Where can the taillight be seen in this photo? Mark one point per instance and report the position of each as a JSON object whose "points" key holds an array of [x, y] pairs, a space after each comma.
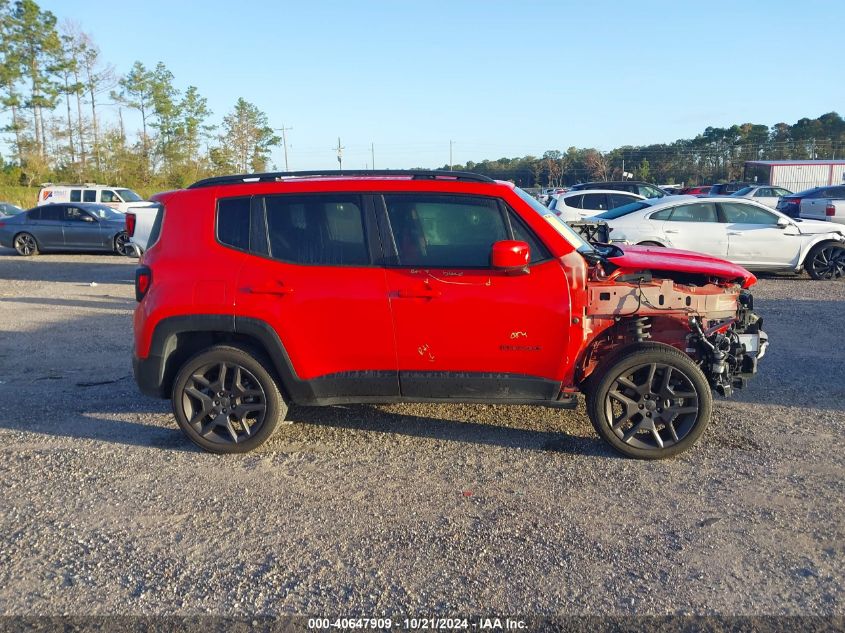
{"points": [[143, 281], [829, 210], [131, 221], [2, 224]]}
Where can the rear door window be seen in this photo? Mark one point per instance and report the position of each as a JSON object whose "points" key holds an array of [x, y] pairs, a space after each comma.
{"points": [[699, 212], [89, 195], [76, 195], [317, 229], [595, 201], [52, 213]]}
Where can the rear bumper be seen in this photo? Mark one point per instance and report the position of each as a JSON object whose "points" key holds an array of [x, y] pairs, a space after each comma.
{"points": [[148, 375]]}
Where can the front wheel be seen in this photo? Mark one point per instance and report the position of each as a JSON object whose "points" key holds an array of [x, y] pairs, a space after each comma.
{"points": [[226, 401], [26, 245], [826, 261], [651, 402]]}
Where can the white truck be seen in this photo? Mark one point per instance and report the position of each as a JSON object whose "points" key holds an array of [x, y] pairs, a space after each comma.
{"points": [[139, 224], [829, 209]]}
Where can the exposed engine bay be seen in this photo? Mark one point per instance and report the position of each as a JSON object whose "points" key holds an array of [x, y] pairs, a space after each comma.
{"points": [[709, 318]]}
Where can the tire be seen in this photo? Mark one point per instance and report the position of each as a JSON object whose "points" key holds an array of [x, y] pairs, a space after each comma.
{"points": [[26, 244], [650, 244], [639, 416], [826, 261], [121, 244], [207, 410]]}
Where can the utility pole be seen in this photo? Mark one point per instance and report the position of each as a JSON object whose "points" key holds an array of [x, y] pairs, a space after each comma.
{"points": [[373, 154], [339, 149], [450, 154], [284, 129]]}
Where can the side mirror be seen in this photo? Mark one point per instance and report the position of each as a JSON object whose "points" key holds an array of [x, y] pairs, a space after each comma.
{"points": [[783, 223], [510, 256], [86, 218]]}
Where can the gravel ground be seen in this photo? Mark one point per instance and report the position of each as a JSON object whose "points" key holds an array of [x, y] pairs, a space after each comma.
{"points": [[418, 509]]}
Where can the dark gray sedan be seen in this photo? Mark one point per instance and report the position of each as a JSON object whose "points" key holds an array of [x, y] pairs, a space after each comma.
{"points": [[65, 227]]}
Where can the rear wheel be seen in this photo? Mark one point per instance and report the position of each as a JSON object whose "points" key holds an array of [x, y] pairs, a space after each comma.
{"points": [[226, 401], [651, 402], [26, 245], [826, 261], [121, 244]]}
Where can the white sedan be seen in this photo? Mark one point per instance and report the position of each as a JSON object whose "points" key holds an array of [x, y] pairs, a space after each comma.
{"points": [[577, 205], [770, 196], [741, 231]]}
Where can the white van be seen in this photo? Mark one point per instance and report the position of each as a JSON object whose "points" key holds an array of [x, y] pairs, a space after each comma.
{"points": [[118, 198]]}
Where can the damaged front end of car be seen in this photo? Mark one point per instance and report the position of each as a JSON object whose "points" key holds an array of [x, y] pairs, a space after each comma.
{"points": [[699, 305]]}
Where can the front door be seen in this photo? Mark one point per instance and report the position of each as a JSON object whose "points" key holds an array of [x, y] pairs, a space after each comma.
{"points": [[464, 330], [755, 239], [81, 229], [311, 273]]}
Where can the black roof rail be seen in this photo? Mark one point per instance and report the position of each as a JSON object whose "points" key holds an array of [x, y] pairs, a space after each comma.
{"points": [[415, 174]]}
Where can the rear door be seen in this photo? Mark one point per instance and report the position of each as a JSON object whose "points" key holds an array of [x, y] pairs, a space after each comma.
{"points": [[464, 330], [46, 226], [754, 238], [696, 227], [312, 272]]}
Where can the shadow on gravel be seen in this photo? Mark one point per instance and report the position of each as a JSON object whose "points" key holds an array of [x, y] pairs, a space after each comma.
{"points": [[372, 419], [56, 267], [102, 302], [79, 426]]}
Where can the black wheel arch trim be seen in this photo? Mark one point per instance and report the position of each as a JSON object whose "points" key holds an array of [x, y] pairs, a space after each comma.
{"points": [[155, 373]]}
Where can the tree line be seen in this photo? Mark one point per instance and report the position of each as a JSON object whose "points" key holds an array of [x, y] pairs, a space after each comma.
{"points": [[54, 85], [717, 154]]}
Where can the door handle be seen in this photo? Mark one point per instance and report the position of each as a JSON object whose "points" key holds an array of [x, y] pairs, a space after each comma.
{"points": [[279, 290], [418, 293], [734, 233], [670, 231]]}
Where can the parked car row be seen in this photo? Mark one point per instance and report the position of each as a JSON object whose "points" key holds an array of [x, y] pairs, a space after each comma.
{"points": [[737, 229]]}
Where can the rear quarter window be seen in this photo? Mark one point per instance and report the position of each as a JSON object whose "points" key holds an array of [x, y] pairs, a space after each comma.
{"points": [[232, 222]]}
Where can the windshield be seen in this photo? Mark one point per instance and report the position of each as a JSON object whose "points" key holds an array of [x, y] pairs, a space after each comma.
{"points": [[10, 209], [625, 209], [742, 192], [103, 212], [128, 195], [569, 234]]}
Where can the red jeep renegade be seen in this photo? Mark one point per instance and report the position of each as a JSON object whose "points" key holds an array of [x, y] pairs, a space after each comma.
{"points": [[325, 288]]}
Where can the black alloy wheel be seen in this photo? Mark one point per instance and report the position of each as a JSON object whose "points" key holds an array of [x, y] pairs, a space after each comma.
{"points": [[226, 401], [826, 262], [651, 402], [26, 245]]}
